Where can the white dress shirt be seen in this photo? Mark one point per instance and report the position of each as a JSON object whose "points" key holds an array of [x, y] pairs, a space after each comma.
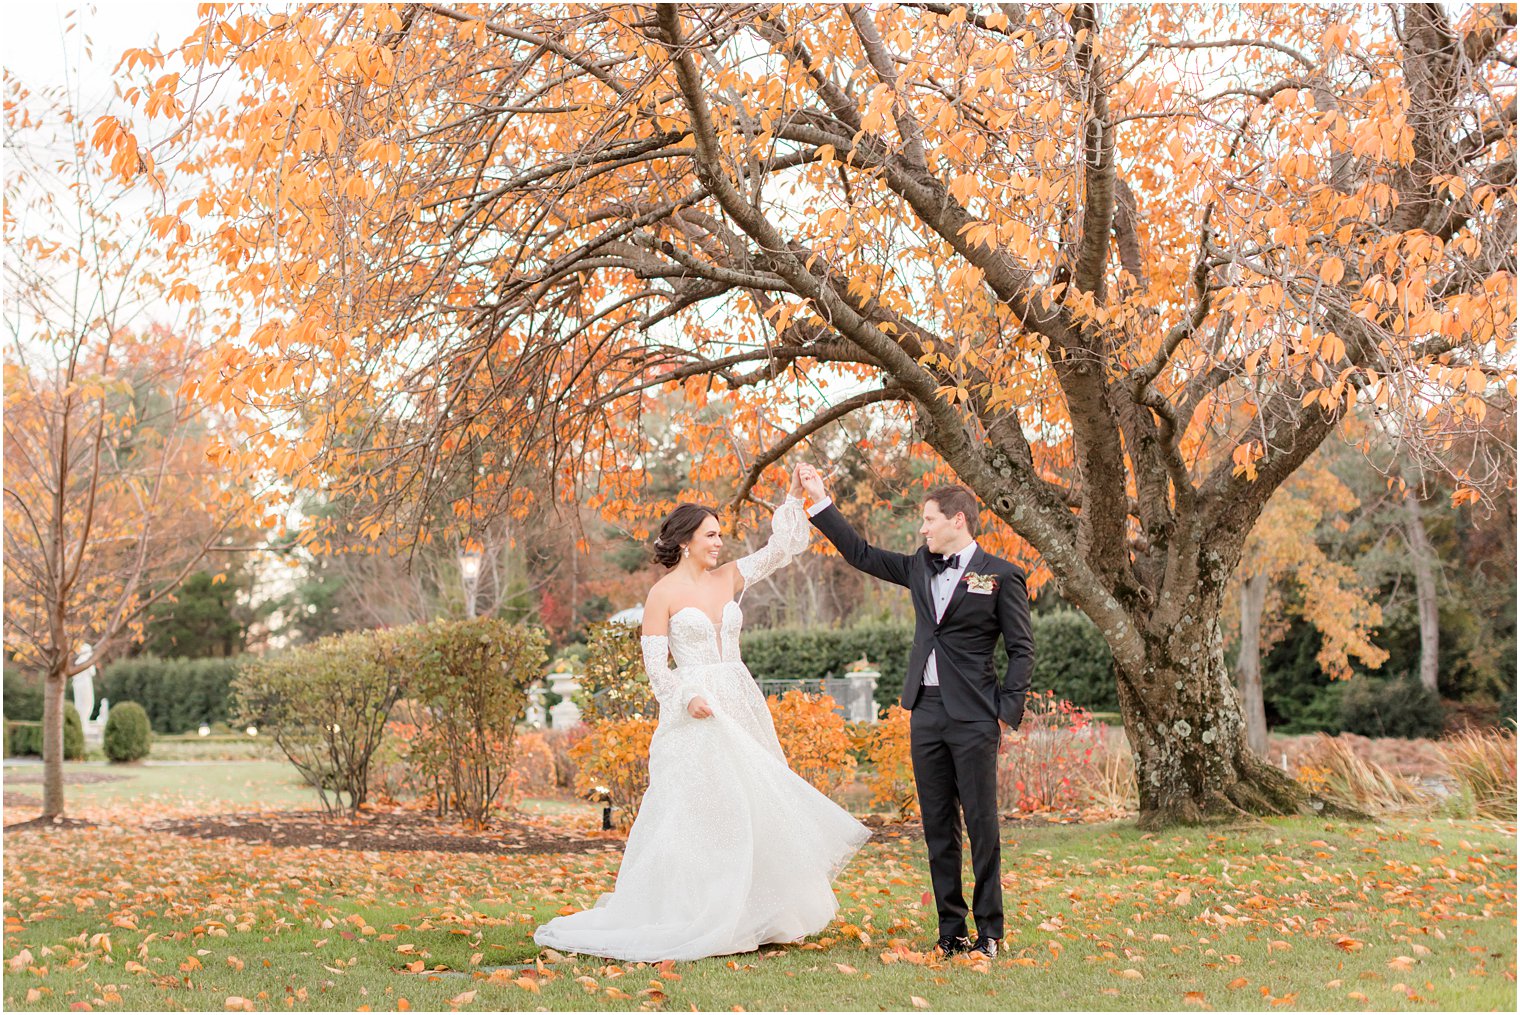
{"points": [[941, 588]]}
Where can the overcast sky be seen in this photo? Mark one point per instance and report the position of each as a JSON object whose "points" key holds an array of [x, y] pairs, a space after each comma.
{"points": [[39, 51]]}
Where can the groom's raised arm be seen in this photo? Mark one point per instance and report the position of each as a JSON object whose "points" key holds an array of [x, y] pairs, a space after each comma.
{"points": [[858, 553]]}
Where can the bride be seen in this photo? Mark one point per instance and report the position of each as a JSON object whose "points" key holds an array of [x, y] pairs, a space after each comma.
{"points": [[731, 848]]}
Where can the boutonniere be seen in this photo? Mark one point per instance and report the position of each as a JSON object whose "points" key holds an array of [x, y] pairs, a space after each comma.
{"points": [[983, 583]]}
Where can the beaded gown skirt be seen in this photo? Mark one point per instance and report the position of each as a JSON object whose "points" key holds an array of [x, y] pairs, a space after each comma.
{"points": [[731, 849]]}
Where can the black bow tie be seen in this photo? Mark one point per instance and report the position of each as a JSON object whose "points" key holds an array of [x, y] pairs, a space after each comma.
{"points": [[942, 564]]}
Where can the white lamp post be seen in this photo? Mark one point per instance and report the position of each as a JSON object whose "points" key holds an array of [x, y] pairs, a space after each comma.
{"points": [[469, 571]]}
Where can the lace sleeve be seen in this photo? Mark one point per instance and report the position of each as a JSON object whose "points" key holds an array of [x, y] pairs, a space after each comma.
{"points": [[669, 690], [789, 537]]}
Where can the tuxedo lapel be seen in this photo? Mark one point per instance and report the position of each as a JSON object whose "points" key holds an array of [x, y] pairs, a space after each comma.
{"points": [[923, 589], [960, 587]]}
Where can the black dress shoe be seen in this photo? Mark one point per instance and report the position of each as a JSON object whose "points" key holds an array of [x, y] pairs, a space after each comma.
{"points": [[948, 946], [987, 946]]}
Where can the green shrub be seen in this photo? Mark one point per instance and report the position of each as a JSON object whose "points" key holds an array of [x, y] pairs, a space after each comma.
{"points": [[1300, 697], [325, 705], [1399, 707], [471, 680], [128, 734], [73, 734], [1072, 660], [177, 694], [614, 685]]}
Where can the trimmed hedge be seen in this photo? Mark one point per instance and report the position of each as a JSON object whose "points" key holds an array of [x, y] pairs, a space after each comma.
{"points": [[177, 694], [812, 652], [128, 734], [1072, 659], [23, 738], [23, 695], [1070, 656]]}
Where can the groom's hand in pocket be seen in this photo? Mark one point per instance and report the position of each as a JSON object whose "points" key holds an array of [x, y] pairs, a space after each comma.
{"points": [[698, 708]]}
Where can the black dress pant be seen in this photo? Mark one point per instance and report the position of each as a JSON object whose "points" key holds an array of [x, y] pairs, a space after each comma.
{"points": [[955, 769]]}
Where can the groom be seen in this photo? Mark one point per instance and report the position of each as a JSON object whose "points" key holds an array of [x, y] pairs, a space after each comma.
{"points": [[964, 598]]}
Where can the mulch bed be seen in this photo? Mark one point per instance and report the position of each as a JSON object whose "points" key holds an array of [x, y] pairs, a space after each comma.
{"points": [[384, 831], [410, 831], [48, 823]]}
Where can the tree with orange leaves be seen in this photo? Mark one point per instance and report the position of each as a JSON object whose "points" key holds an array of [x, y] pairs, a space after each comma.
{"points": [[109, 501], [1283, 547], [1125, 269]]}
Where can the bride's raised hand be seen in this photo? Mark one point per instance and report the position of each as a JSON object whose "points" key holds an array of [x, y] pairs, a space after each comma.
{"points": [[811, 483], [797, 489], [698, 708]]}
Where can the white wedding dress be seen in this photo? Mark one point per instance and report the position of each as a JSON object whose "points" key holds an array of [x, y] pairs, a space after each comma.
{"points": [[731, 848]]}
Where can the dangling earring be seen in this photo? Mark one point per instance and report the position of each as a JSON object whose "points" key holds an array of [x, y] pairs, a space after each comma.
{"points": [[685, 551]]}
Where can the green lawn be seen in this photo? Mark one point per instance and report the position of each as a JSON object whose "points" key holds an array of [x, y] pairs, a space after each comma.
{"points": [[205, 786], [1294, 914]]}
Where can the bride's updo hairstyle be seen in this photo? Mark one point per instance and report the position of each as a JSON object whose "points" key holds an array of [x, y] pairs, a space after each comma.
{"points": [[677, 530]]}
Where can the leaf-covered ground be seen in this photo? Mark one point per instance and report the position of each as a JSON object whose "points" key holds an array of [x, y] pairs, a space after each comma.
{"points": [[1300, 915]]}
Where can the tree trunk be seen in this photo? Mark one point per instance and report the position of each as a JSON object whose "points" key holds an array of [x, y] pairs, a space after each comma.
{"points": [[1253, 597], [52, 742], [1183, 719], [1427, 599]]}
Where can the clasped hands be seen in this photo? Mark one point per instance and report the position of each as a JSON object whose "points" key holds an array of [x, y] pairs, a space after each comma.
{"points": [[806, 480]]}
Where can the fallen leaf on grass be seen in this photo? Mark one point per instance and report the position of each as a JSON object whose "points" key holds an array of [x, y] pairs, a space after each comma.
{"points": [[919, 1002], [1237, 983], [1195, 997]]}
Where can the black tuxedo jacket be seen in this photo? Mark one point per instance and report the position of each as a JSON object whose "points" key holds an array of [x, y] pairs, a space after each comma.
{"points": [[964, 639]]}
